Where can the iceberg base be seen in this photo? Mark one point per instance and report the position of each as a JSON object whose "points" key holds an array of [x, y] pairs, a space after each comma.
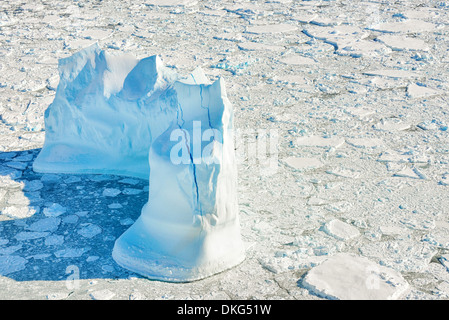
{"points": [[190, 256]]}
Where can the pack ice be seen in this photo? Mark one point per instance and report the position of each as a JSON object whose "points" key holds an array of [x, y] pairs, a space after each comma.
{"points": [[120, 115]]}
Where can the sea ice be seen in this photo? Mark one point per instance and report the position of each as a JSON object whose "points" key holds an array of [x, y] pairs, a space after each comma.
{"points": [[340, 230], [89, 231], [11, 263], [46, 224], [419, 91], [405, 26], [30, 235], [71, 252], [111, 192], [271, 28], [54, 210], [104, 294], [365, 142], [403, 43], [302, 163], [349, 277], [318, 141], [297, 60]]}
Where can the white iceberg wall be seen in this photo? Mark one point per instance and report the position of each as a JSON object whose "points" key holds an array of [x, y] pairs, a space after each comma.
{"points": [[189, 229], [106, 111]]}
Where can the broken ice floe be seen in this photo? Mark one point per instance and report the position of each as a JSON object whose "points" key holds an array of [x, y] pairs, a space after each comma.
{"points": [[419, 91], [368, 280], [271, 28], [301, 163], [340, 230], [405, 26]]}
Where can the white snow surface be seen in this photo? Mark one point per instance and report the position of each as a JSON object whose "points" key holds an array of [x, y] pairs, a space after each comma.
{"points": [[357, 92]]}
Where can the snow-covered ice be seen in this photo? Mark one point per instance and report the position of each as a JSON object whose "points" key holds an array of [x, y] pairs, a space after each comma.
{"points": [[349, 277]]}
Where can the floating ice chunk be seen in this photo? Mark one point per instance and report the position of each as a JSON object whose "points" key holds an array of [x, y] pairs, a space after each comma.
{"points": [[391, 73], [132, 191], [297, 60], [57, 295], [305, 17], [129, 181], [50, 178], [344, 172], [347, 40], [10, 250], [317, 141], [230, 36], [324, 21], [46, 224], [317, 201], [392, 157], [405, 26], [90, 231], [12, 173], [292, 78], [403, 43], [17, 165], [115, 206], [198, 234], [72, 179], [25, 235], [70, 219], [96, 34], [403, 254], [79, 43], [111, 192], [303, 163], [54, 240], [33, 185], [392, 124], [171, 3], [271, 28], [126, 222], [418, 91], [71, 252], [11, 263], [365, 142], [254, 46], [54, 210], [349, 277], [392, 230], [105, 294], [340, 230]]}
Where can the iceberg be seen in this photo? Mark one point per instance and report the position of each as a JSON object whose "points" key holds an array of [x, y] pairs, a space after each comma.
{"points": [[138, 118], [105, 113], [189, 228]]}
